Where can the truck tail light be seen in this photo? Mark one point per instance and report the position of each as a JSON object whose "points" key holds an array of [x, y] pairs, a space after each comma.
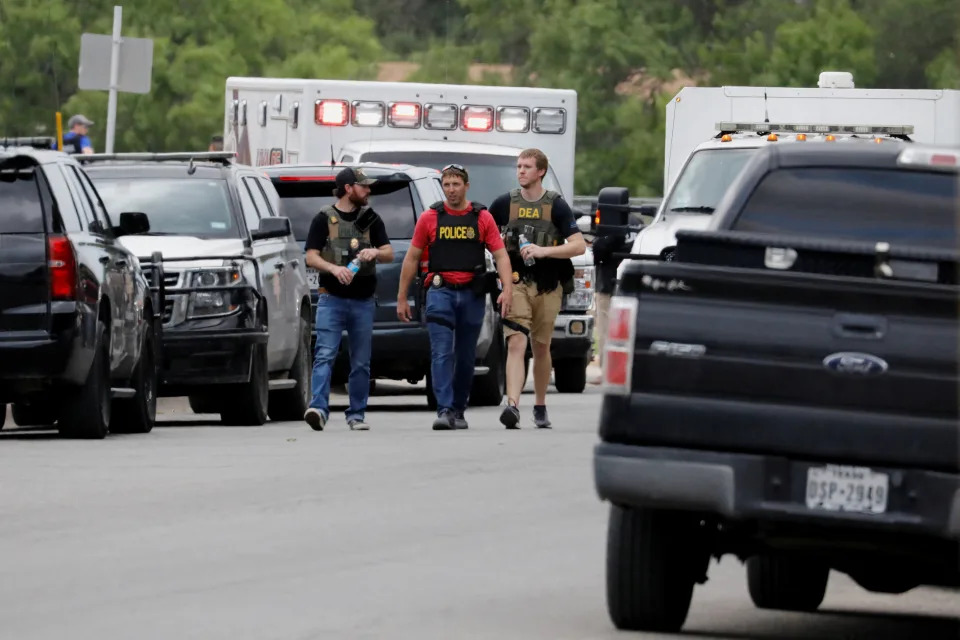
{"points": [[476, 118], [618, 347], [62, 264], [405, 115], [331, 113]]}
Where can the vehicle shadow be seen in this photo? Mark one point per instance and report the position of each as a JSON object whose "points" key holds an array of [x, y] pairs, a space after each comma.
{"points": [[847, 624]]}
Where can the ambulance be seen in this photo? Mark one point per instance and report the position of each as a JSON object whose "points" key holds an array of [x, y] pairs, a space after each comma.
{"points": [[711, 132], [315, 121]]}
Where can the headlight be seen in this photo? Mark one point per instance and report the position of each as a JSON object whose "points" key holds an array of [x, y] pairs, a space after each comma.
{"points": [[582, 296], [218, 302]]}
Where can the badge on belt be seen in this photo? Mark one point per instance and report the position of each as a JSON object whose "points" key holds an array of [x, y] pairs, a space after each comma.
{"points": [[354, 243], [437, 280], [516, 277]]}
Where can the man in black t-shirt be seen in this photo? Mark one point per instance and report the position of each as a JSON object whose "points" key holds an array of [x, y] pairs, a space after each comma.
{"points": [[345, 242]]}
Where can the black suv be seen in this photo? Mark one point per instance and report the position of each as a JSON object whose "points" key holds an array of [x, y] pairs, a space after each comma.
{"points": [[237, 320], [78, 318]]}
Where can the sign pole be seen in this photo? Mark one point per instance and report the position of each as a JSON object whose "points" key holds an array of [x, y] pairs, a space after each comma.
{"points": [[114, 78]]}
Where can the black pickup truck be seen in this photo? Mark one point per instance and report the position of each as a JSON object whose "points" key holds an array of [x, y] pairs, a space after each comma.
{"points": [[785, 390], [79, 330]]}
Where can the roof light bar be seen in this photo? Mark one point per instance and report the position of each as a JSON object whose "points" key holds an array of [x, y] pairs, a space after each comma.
{"points": [[35, 142], [440, 116], [331, 113], [404, 115], [859, 129], [368, 114], [549, 120]]}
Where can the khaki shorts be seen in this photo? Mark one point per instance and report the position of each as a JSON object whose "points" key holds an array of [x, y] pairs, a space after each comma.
{"points": [[533, 311]]}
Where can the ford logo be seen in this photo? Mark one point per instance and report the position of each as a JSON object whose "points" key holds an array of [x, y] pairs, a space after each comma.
{"points": [[855, 364]]}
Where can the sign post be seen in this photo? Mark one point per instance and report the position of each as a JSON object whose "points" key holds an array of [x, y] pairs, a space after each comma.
{"points": [[114, 63]]}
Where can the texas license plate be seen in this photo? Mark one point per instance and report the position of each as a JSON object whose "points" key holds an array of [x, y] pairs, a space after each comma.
{"points": [[846, 488], [313, 277]]}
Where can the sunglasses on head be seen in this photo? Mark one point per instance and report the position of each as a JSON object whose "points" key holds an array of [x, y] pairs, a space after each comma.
{"points": [[455, 167]]}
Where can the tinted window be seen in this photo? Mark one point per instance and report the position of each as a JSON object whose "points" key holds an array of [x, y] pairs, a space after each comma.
{"points": [[490, 176], [705, 179], [83, 202], [194, 207], [900, 207], [301, 201], [99, 210], [20, 210]]}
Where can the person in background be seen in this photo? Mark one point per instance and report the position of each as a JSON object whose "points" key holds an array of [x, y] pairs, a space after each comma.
{"points": [[216, 144], [75, 139]]}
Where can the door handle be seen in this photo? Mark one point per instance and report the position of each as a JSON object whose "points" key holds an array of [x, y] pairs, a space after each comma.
{"points": [[852, 325], [294, 262], [121, 262], [104, 259], [279, 266]]}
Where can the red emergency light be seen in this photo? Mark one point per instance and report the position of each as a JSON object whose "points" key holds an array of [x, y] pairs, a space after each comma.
{"points": [[473, 118], [405, 115], [331, 113]]}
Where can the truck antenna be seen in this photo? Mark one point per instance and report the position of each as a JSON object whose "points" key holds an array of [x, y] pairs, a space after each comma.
{"points": [[766, 110], [333, 158]]}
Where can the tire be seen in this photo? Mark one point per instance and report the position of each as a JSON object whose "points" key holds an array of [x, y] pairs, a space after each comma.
{"points": [[139, 413], [86, 412], [570, 376], [786, 583], [290, 404], [205, 403], [28, 415], [245, 404], [3, 414], [650, 569], [488, 389]]}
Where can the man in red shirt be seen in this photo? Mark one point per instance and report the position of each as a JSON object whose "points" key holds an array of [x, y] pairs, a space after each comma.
{"points": [[451, 237]]}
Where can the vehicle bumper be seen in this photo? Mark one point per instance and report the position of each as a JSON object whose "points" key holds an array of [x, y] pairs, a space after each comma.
{"points": [[745, 487], [32, 360], [210, 356], [572, 336]]}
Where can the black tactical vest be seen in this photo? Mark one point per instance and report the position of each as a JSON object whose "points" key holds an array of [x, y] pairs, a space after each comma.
{"points": [[346, 239], [459, 246]]}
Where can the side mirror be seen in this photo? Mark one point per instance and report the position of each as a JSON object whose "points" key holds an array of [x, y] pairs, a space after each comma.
{"points": [[648, 210], [613, 205], [132, 223], [276, 227]]}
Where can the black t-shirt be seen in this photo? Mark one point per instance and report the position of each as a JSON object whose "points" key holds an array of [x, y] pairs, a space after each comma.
{"points": [[361, 286], [547, 272]]}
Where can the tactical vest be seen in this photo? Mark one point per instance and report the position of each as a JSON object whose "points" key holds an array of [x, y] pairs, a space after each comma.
{"points": [[72, 146], [346, 239], [534, 222], [458, 246]]}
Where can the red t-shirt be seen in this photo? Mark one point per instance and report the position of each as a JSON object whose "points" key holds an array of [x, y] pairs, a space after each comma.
{"points": [[425, 234]]}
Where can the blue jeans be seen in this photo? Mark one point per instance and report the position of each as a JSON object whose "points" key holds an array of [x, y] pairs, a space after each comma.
{"points": [[454, 320], [334, 316]]}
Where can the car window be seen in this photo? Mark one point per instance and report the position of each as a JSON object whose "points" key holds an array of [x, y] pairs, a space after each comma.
{"points": [[273, 199], [197, 207], [79, 195], [896, 206], [69, 214], [392, 200], [490, 176], [259, 201], [20, 201], [99, 210], [705, 179]]}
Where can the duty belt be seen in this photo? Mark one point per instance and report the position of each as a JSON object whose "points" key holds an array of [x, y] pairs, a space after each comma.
{"points": [[438, 282]]}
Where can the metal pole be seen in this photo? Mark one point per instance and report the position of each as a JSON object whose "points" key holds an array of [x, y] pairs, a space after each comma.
{"points": [[114, 77]]}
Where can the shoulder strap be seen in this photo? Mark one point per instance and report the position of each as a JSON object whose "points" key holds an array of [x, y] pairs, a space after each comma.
{"points": [[365, 219], [436, 206], [476, 208], [549, 196], [515, 195]]}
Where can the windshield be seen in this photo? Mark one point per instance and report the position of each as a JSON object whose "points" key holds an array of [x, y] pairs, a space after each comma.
{"points": [[192, 207], [490, 176], [896, 206], [705, 179], [302, 201]]}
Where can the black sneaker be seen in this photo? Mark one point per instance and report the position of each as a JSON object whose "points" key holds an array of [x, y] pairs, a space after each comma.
{"points": [[540, 417], [444, 421], [510, 417], [459, 422], [315, 419]]}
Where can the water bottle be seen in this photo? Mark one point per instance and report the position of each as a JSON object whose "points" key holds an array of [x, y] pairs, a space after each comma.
{"points": [[523, 243], [354, 266]]}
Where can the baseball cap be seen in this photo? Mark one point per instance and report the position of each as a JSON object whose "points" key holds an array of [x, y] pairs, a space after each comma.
{"points": [[79, 119], [349, 175]]}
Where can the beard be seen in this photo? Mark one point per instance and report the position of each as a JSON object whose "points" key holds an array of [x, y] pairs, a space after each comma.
{"points": [[357, 200]]}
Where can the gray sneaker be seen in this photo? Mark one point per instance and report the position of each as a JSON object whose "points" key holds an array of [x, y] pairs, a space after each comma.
{"points": [[540, 417], [510, 417], [358, 425], [445, 421], [459, 422], [315, 419]]}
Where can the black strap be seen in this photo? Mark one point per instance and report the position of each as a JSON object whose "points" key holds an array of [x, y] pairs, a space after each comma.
{"points": [[510, 324], [365, 219], [475, 207], [443, 322]]}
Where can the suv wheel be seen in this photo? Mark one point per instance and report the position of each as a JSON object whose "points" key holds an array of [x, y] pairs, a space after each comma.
{"points": [[291, 404], [570, 376], [246, 403], [139, 413], [786, 583], [652, 562], [86, 412]]}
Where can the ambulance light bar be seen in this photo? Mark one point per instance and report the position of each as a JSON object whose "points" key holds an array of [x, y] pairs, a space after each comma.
{"points": [[861, 129], [476, 118], [440, 116], [367, 114], [948, 159], [330, 112]]}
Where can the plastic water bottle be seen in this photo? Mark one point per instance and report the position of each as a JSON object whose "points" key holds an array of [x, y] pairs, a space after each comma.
{"points": [[523, 243], [354, 265]]}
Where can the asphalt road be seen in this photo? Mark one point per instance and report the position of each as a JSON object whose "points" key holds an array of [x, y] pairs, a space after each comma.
{"points": [[203, 531]]}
